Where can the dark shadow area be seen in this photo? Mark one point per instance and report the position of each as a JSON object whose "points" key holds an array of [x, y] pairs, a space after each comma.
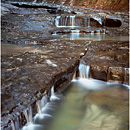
{"points": [[32, 6], [112, 22]]}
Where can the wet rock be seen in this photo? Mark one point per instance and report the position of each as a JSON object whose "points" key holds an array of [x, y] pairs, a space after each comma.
{"points": [[106, 62], [116, 74], [94, 23], [99, 72], [126, 76], [31, 77]]}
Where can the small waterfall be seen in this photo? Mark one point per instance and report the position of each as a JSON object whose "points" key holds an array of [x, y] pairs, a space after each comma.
{"points": [[88, 21], [84, 71], [15, 124], [52, 91], [99, 19], [41, 103], [53, 95], [12, 125], [28, 114], [65, 21], [57, 21], [72, 21]]}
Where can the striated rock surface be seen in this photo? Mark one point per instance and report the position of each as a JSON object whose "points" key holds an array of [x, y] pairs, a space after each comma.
{"points": [[118, 5]]}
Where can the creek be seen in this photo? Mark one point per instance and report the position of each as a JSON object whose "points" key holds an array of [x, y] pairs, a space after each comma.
{"points": [[85, 104]]}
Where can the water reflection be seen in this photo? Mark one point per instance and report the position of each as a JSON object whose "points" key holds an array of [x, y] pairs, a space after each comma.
{"points": [[91, 36]]}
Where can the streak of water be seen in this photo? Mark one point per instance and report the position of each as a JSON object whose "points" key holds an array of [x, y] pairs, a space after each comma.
{"points": [[84, 71], [65, 21], [53, 95], [28, 114]]}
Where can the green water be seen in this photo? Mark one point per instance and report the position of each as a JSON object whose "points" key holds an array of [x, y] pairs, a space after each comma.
{"points": [[83, 109], [91, 36]]}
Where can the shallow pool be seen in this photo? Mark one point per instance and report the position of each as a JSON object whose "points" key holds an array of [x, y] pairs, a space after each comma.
{"points": [[86, 108], [90, 36]]}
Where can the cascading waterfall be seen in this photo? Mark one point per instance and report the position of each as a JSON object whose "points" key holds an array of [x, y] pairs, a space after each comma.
{"points": [[28, 114], [43, 106], [12, 125], [41, 103], [53, 95], [57, 21], [72, 21], [84, 71], [93, 84], [65, 21], [15, 124]]}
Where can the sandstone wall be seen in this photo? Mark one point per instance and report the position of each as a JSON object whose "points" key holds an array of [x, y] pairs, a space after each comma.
{"points": [[113, 5], [116, 5]]}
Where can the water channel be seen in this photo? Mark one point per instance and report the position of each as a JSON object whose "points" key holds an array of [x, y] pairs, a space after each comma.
{"points": [[85, 104]]}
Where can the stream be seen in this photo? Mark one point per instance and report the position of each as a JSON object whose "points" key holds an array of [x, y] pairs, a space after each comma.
{"points": [[42, 45], [85, 104]]}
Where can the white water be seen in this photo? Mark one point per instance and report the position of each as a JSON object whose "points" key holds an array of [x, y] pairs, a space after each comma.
{"points": [[72, 21], [44, 108], [28, 114], [15, 124], [84, 71], [53, 95], [57, 21], [12, 125], [65, 21], [41, 103], [92, 84]]}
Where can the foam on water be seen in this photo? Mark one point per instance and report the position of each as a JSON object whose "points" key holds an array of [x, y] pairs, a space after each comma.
{"points": [[53, 95], [44, 109], [84, 71], [28, 114]]}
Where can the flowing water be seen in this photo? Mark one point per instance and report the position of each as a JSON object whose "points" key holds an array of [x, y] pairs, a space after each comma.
{"points": [[86, 104], [65, 21]]}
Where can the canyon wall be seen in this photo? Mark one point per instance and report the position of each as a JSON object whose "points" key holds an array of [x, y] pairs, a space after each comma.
{"points": [[111, 5], [115, 5]]}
